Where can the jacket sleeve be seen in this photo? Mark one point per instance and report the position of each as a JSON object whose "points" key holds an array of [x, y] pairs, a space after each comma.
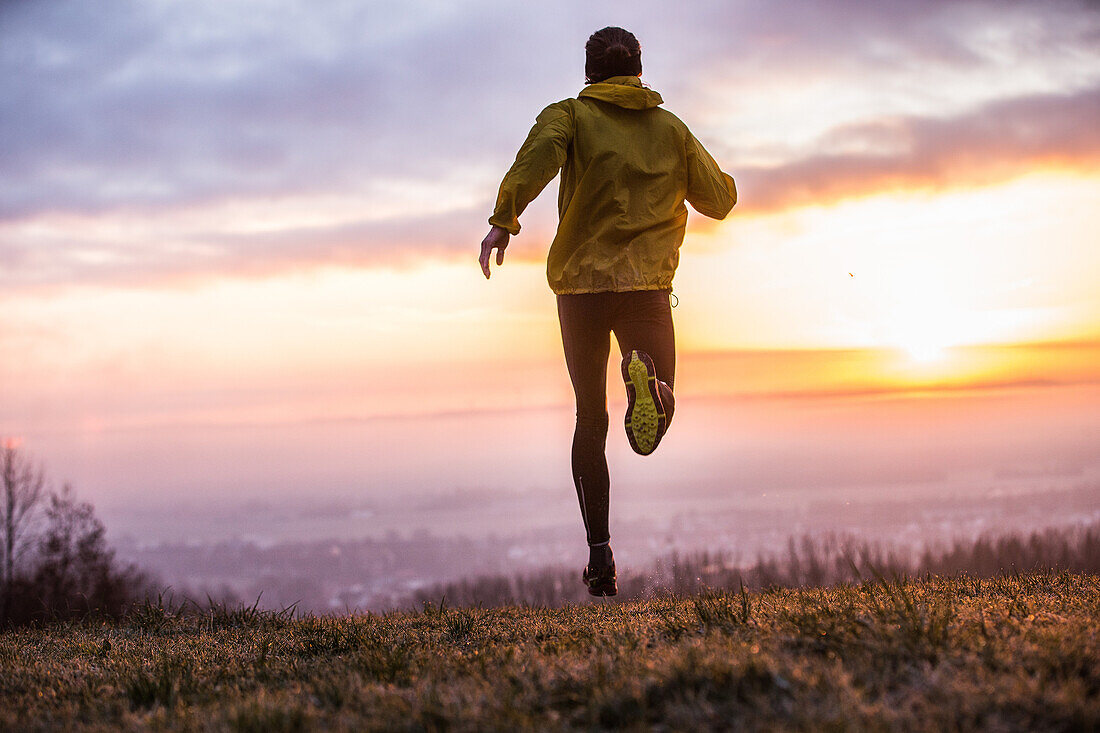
{"points": [[709, 191], [538, 161]]}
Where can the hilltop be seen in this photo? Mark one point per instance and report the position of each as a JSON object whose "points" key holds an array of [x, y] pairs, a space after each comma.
{"points": [[1009, 653]]}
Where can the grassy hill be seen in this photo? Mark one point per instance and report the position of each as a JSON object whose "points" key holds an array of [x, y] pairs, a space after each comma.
{"points": [[1011, 653]]}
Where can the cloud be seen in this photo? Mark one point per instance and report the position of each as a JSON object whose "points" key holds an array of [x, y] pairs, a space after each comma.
{"points": [[49, 260], [127, 116], [176, 103], [1001, 140], [997, 142], [170, 104]]}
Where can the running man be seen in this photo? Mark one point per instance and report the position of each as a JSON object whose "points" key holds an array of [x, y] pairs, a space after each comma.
{"points": [[627, 167]]}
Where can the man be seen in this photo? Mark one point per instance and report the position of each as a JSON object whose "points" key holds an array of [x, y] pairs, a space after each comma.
{"points": [[627, 167]]}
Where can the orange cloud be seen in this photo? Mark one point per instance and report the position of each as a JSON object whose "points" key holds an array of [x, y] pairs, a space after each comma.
{"points": [[994, 143]]}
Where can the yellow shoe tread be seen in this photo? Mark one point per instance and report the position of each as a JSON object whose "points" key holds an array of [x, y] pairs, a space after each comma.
{"points": [[644, 416]]}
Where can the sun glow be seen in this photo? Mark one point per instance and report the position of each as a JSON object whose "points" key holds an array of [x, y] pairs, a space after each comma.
{"points": [[916, 273], [924, 353], [924, 328], [886, 292]]}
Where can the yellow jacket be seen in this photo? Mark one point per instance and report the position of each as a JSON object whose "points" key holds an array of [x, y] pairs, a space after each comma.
{"points": [[627, 168]]}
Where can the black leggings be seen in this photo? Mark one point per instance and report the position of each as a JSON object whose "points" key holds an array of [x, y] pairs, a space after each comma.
{"points": [[640, 319]]}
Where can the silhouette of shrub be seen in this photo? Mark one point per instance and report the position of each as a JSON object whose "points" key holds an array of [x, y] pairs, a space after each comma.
{"points": [[72, 572]]}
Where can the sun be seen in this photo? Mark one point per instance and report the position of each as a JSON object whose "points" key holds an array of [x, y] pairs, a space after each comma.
{"points": [[924, 335], [924, 331], [924, 353]]}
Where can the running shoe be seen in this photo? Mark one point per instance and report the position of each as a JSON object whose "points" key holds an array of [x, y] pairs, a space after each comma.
{"points": [[600, 581], [645, 415]]}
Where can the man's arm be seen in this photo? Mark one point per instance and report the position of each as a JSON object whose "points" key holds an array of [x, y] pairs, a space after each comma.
{"points": [[710, 191], [539, 159]]}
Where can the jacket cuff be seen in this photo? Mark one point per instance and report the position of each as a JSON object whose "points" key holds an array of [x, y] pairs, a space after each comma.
{"points": [[512, 226]]}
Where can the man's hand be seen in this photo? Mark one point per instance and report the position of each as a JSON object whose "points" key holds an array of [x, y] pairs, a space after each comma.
{"points": [[497, 239]]}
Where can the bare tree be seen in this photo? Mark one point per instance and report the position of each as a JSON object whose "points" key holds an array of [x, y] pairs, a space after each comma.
{"points": [[23, 489]]}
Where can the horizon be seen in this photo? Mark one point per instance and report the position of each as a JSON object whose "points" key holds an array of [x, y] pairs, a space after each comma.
{"points": [[250, 232]]}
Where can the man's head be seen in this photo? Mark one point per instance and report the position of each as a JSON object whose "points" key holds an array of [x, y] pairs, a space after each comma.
{"points": [[611, 52]]}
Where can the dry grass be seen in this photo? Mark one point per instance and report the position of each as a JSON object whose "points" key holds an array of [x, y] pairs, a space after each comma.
{"points": [[1010, 653]]}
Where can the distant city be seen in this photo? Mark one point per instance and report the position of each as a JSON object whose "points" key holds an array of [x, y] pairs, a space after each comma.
{"points": [[384, 565]]}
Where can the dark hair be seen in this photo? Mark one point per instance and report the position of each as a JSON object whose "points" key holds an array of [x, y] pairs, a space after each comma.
{"points": [[611, 52]]}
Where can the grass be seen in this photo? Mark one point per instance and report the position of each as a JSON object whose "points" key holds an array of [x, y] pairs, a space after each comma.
{"points": [[1010, 653]]}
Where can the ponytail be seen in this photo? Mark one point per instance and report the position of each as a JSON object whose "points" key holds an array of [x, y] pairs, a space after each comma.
{"points": [[611, 52]]}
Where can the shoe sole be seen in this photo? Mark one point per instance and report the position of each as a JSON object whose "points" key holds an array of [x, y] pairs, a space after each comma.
{"points": [[645, 415]]}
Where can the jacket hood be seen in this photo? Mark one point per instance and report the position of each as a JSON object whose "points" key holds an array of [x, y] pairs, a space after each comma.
{"points": [[624, 91]]}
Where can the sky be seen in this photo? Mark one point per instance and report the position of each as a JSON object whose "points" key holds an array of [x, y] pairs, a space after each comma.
{"points": [[253, 214]]}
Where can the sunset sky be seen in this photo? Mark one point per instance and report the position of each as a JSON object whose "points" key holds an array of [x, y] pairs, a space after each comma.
{"points": [[260, 213]]}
